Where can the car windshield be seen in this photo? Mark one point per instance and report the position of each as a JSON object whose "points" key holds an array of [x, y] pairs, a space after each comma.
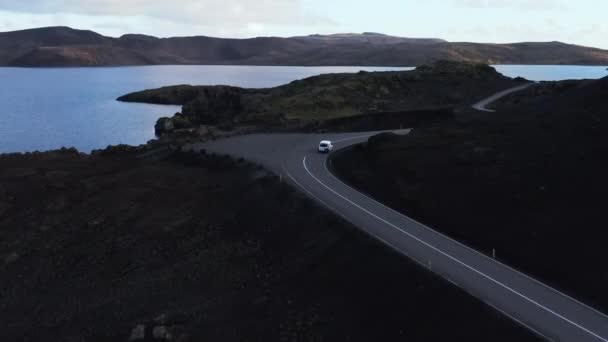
{"points": [[323, 145]]}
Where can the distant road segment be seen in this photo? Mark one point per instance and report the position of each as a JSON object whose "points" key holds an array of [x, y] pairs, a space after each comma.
{"points": [[483, 104]]}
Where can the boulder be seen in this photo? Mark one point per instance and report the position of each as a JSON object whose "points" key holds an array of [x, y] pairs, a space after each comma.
{"points": [[180, 121], [164, 125], [169, 333], [162, 333], [138, 333], [162, 319]]}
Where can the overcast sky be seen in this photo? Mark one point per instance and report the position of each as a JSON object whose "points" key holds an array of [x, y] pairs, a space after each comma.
{"points": [[574, 21]]}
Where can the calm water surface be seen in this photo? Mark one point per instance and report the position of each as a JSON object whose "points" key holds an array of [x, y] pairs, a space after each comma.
{"points": [[42, 109], [553, 72]]}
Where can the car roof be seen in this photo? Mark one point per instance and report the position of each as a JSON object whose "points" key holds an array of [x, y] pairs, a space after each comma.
{"points": [[325, 142]]}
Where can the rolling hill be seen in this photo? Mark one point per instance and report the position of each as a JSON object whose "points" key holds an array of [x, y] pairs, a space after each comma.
{"points": [[63, 46]]}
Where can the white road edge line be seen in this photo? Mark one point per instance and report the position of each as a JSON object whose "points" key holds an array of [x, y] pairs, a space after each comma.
{"points": [[454, 259], [344, 217], [414, 259], [518, 321], [465, 246]]}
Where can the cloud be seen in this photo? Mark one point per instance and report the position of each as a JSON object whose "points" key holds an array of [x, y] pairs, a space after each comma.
{"points": [[534, 5], [590, 35], [503, 33], [197, 12]]}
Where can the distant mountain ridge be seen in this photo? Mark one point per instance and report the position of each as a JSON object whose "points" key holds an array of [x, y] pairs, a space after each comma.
{"points": [[368, 37], [64, 47]]}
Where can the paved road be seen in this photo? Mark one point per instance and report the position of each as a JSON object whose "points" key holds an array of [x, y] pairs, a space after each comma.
{"points": [[483, 104], [542, 309]]}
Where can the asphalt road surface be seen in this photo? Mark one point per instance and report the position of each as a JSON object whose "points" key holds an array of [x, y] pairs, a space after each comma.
{"points": [[483, 104], [545, 311]]}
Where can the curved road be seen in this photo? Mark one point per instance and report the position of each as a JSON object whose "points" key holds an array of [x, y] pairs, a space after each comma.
{"points": [[483, 104], [544, 310]]}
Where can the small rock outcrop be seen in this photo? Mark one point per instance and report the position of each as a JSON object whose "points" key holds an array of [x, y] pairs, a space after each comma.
{"points": [[162, 328], [164, 125], [215, 104], [180, 121], [138, 333]]}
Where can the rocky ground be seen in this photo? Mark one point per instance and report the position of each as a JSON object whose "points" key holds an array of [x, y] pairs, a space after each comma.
{"points": [[528, 181], [149, 243], [115, 247]]}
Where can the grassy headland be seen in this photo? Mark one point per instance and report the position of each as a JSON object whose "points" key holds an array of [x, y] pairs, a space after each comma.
{"points": [[320, 98]]}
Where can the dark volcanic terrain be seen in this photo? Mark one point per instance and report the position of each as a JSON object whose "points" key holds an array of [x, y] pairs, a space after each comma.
{"points": [[62, 46], [528, 181], [153, 244], [111, 247]]}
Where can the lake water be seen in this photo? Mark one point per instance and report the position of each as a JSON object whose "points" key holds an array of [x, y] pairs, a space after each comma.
{"points": [[42, 109], [553, 72]]}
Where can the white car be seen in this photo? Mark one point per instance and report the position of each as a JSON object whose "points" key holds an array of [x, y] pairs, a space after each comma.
{"points": [[325, 146]]}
